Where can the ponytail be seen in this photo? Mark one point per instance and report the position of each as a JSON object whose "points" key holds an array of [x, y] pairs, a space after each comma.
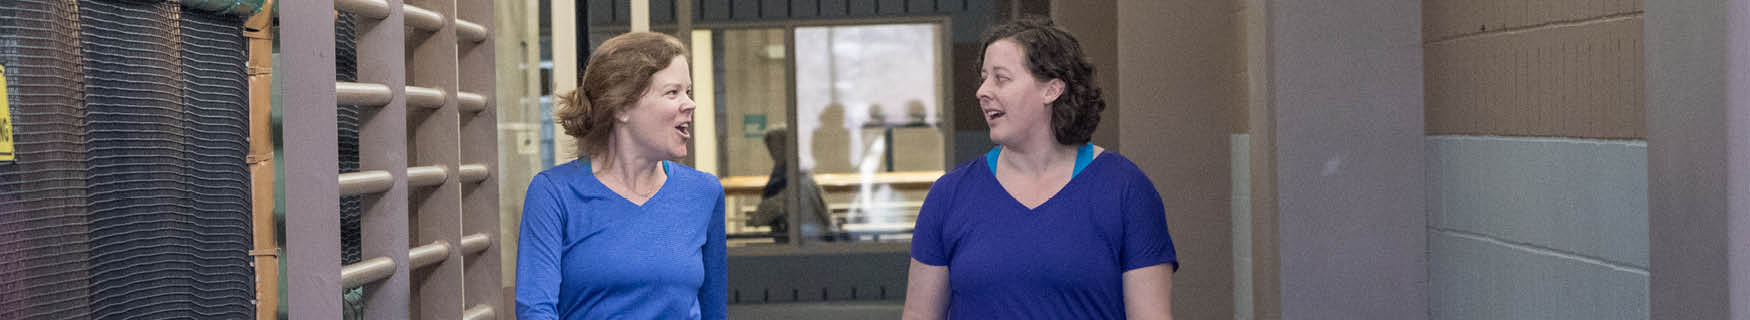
{"points": [[574, 112]]}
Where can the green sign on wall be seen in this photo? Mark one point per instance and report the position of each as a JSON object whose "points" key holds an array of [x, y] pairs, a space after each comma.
{"points": [[753, 125]]}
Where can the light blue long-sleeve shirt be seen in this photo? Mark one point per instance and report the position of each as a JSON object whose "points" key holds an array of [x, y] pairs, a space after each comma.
{"points": [[586, 252]]}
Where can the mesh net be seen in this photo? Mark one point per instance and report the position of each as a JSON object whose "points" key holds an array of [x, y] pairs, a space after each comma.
{"points": [[129, 194], [168, 238], [216, 111], [346, 69], [44, 251]]}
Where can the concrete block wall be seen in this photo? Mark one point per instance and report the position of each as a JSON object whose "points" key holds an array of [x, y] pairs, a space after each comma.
{"points": [[1569, 68], [1536, 159], [1537, 228]]}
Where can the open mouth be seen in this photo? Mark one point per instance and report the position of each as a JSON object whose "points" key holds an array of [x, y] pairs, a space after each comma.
{"points": [[992, 115], [686, 130]]}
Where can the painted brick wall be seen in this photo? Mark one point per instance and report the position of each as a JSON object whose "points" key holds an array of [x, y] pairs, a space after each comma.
{"points": [[1567, 68], [1537, 228]]}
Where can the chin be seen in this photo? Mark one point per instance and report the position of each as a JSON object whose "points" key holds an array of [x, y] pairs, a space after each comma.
{"points": [[998, 139], [677, 154]]}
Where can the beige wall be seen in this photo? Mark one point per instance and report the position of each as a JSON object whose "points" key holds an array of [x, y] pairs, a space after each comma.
{"points": [[1176, 66], [1568, 68], [1093, 25], [1171, 72]]}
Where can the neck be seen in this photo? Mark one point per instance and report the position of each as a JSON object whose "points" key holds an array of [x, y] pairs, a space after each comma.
{"points": [[628, 168], [1039, 157]]}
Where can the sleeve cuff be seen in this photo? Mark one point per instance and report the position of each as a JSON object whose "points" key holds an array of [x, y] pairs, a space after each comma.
{"points": [[1173, 262]]}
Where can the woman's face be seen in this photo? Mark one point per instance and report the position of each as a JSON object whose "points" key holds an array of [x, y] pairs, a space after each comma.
{"points": [[660, 124], [1013, 101]]}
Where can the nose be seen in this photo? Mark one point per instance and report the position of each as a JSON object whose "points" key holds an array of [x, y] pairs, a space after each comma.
{"points": [[688, 105], [986, 91]]}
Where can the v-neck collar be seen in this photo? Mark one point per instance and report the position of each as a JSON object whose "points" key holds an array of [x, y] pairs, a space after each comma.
{"points": [[668, 176], [1084, 156], [1074, 177]]}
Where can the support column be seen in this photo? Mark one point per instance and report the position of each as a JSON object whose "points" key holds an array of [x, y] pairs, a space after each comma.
{"points": [[433, 137], [312, 162], [1698, 156], [567, 21], [1340, 138], [383, 220]]}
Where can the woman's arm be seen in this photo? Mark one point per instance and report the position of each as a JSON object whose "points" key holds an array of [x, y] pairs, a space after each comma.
{"points": [[1148, 293], [714, 294], [926, 284], [926, 292], [538, 247], [1149, 257]]}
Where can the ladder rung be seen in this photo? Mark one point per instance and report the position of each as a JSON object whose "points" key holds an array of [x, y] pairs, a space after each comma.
{"points": [[362, 94], [364, 272], [426, 255], [422, 97], [362, 182], [422, 19], [470, 31], [426, 176], [475, 243], [374, 9], [472, 173]]}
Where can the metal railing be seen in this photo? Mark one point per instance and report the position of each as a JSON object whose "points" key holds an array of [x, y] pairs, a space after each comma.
{"points": [[429, 136]]}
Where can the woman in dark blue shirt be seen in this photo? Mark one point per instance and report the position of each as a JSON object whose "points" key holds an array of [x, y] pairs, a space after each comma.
{"points": [[1046, 225], [623, 232]]}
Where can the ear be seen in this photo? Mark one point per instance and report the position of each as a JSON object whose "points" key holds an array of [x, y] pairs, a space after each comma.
{"points": [[1053, 89]]}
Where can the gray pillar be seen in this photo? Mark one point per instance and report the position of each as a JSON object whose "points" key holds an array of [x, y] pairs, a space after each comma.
{"points": [[1698, 154], [1344, 88], [312, 163]]}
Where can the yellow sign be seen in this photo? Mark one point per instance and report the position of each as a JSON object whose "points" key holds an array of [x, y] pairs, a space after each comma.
{"points": [[5, 121]]}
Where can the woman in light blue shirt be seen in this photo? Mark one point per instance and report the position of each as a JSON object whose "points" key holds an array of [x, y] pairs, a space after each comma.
{"points": [[623, 232]]}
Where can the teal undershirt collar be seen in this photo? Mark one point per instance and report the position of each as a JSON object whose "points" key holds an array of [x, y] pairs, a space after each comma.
{"points": [[1084, 155]]}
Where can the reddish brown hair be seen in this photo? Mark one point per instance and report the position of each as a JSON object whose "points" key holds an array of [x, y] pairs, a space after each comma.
{"points": [[618, 73]]}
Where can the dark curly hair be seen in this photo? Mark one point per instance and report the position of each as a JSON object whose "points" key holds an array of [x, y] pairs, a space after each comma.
{"points": [[618, 73], [1052, 53]]}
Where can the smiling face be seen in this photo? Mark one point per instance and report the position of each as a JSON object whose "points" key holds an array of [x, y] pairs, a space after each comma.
{"points": [[1014, 102], [661, 122]]}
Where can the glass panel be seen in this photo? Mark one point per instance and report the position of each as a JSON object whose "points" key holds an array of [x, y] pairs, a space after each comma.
{"points": [[752, 98], [868, 101]]}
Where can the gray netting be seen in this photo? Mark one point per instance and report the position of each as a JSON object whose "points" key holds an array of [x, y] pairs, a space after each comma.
{"points": [[346, 69], [129, 194], [44, 253], [216, 111], [167, 239]]}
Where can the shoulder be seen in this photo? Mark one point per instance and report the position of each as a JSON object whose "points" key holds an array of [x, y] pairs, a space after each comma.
{"points": [[944, 190], [1124, 178], [1118, 175], [960, 173], [1115, 167], [693, 179], [562, 173]]}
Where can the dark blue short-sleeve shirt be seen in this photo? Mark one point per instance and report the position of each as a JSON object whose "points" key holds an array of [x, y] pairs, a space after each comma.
{"points": [[1064, 259]]}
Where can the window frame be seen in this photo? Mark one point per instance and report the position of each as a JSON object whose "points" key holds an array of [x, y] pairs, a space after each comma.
{"points": [[945, 99]]}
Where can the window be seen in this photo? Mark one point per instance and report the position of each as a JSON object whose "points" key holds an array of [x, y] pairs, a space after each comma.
{"points": [[862, 106]]}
